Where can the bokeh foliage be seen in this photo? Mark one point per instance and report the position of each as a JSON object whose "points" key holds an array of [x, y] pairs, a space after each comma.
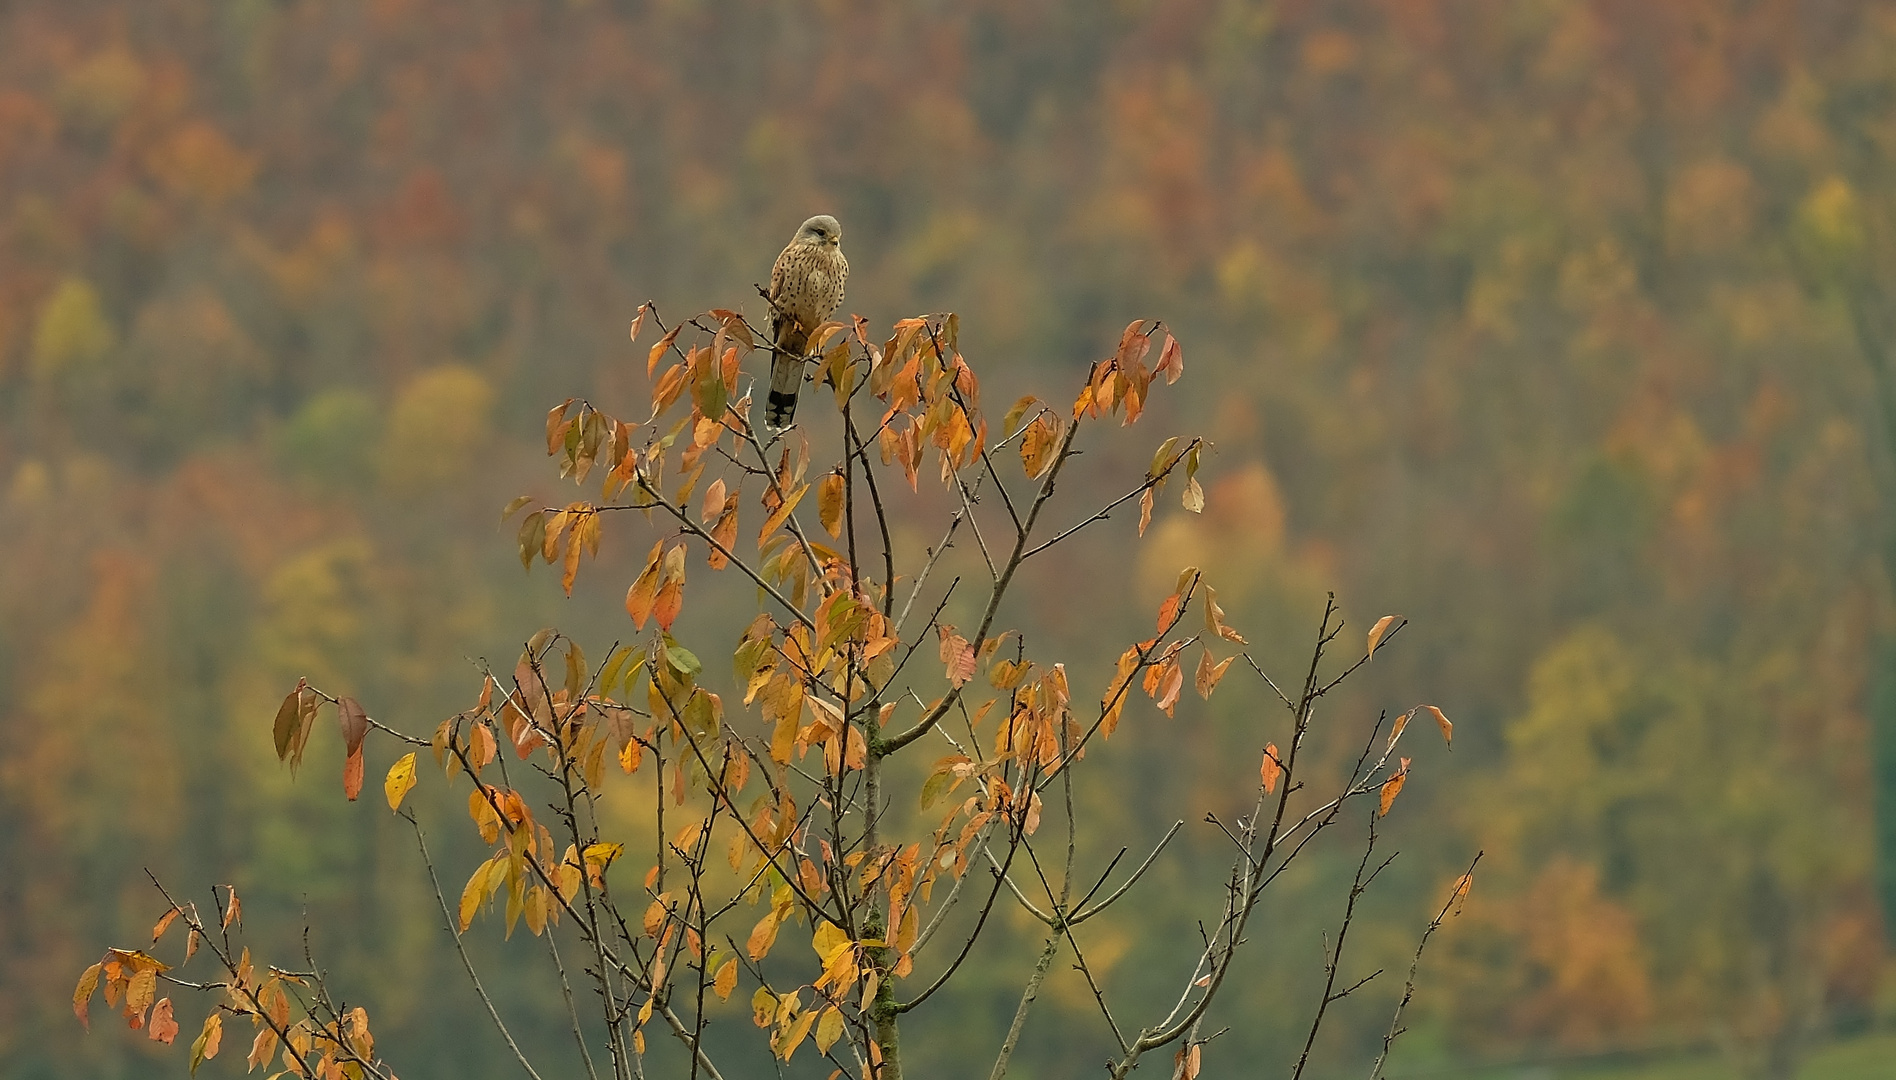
{"points": [[1553, 325]]}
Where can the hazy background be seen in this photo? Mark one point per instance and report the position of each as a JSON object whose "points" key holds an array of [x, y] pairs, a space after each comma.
{"points": [[1560, 327]]}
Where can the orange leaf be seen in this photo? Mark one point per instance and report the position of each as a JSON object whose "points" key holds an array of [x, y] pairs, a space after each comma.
{"points": [[1171, 361], [1391, 788], [1271, 769], [1441, 721], [643, 593], [1376, 632], [782, 513], [261, 1048], [1460, 896], [555, 426], [658, 350], [829, 504], [958, 655], [763, 935], [163, 925], [1170, 683], [1037, 445], [164, 1027], [352, 774], [234, 909]]}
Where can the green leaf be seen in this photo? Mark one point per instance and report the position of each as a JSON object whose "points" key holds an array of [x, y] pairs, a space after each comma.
{"points": [[683, 661]]}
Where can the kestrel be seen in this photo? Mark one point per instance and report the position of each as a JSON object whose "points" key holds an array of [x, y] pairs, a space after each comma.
{"points": [[806, 285]]}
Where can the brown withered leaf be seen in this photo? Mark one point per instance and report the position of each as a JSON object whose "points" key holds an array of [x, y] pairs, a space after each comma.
{"points": [[288, 718], [355, 723], [233, 907], [1209, 673], [1214, 619], [1460, 895]]}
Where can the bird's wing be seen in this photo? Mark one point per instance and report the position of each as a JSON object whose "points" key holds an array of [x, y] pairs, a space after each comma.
{"points": [[776, 293]]}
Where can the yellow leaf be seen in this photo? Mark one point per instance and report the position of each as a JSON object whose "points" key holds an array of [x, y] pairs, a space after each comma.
{"points": [[400, 780], [829, 940], [205, 1048], [1376, 632], [791, 1035], [82, 994], [829, 1029], [475, 892], [726, 980]]}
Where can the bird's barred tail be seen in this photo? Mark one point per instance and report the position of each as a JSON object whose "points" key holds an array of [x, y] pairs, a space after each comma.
{"points": [[786, 373]]}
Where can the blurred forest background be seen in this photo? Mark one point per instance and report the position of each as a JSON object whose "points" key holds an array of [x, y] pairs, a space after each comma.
{"points": [[1562, 327]]}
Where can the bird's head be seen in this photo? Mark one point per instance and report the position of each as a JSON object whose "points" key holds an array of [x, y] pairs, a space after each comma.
{"points": [[822, 230]]}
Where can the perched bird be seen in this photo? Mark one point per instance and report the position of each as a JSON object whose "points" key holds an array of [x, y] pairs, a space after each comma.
{"points": [[806, 285]]}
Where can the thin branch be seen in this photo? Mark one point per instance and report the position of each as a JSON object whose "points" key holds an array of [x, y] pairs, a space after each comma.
{"points": [[1082, 916], [1455, 894], [465, 962], [1335, 958]]}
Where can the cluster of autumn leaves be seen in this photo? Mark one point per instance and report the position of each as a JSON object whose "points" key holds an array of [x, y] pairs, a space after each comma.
{"points": [[819, 674], [337, 1047]]}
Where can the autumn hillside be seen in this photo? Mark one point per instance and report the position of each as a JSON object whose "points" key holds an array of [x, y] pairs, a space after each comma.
{"points": [[1562, 328]]}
